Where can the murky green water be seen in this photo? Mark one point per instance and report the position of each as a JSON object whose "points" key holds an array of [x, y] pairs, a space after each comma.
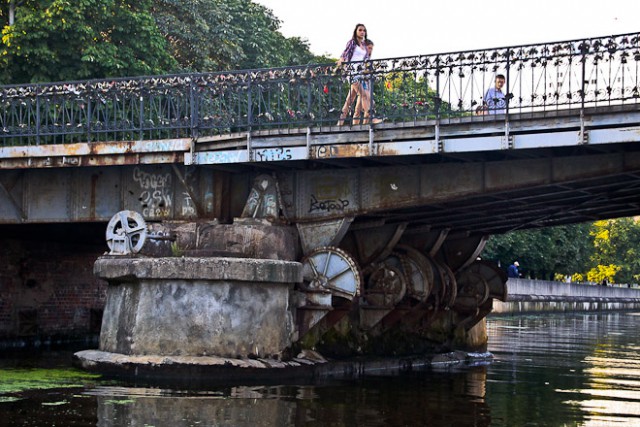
{"points": [[552, 370]]}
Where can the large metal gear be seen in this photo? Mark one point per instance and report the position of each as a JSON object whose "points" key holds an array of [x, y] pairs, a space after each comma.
{"points": [[418, 278], [386, 286], [330, 268]]}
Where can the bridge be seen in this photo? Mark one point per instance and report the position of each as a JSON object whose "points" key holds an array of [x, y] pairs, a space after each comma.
{"points": [[398, 210], [563, 151]]}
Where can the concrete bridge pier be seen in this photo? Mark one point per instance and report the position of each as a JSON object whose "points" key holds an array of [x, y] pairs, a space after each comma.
{"points": [[196, 306], [241, 300]]}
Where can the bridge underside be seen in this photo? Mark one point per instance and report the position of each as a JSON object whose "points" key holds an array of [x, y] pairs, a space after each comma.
{"points": [[473, 178]]}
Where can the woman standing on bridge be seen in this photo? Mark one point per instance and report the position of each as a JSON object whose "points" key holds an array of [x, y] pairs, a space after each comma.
{"points": [[355, 51]]}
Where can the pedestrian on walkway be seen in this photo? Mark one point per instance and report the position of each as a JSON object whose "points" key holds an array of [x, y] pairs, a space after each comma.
{"points": [[355, 51], [513, 271]]}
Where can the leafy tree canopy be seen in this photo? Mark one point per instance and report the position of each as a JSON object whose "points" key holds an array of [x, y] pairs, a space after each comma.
{"points": [[213, 35], [608, 249], [52, 40], [544, 252]]}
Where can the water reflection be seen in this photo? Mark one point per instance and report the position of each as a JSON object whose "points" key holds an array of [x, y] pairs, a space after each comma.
{"points": [[552, 370], [577, 370], [426, 398]]}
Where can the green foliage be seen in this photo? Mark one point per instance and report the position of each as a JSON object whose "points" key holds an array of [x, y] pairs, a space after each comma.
{"points": [[600, 250], [214, 35], [54, 40], [617, 242], [544, 252]]}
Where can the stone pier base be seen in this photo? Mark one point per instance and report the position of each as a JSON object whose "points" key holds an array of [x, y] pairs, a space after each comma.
{"points": [[227, 307]]}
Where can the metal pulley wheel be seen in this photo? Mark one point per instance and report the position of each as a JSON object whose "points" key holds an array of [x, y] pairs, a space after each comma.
{"points": [[473, 291], [420, 273], [332, 269], [492, 275], [445, 288], [418, 278], [126, 233], [386, 286]]}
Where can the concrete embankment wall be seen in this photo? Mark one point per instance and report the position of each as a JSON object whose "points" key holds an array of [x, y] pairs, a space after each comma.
{"points": [[535, 296]]}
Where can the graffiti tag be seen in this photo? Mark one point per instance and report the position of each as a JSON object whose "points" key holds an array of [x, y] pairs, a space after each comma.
{"points": [[327, 205]]}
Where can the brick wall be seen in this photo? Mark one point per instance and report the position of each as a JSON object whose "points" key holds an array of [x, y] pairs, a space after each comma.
{"points": [[47, 286]]}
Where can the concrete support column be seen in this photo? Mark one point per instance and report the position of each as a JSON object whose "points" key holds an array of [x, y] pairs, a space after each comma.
{"points": [[184, 306]]}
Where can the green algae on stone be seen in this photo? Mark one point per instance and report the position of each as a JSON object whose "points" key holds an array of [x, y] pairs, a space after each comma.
{"points": [[18, 380], [119, 401], [61, 402], [8, 399]]}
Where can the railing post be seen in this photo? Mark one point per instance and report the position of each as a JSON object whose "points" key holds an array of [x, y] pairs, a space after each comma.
{"points": [[507, 136], [38, 114], [508, 96], [310, 87], [438, 104], [583, 88], [249, 103], [88, 97], [193, 112], [141, 121]]}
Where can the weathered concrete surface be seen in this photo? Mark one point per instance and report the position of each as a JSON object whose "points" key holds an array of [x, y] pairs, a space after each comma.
{"points": [[307, 367], [244, 238], [228, 307], [119, 268], [540, 296]]}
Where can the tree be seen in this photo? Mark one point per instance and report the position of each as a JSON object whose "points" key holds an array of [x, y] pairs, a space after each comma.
{"points": [[544, 252], [52, 40], [617, 243], [215, 35]]}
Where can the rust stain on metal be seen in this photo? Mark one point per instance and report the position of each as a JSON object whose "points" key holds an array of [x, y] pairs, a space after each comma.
{"points": [[92, 203], [330, 151], [384, 150]]}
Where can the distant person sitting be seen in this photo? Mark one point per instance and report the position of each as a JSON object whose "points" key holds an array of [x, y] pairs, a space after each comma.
{"points": [[494, 99], [512, 271]]}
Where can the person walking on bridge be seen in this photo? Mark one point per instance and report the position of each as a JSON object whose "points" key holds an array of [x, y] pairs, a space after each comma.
{"points": [[494, 99], [366, 83], [356, 51], [513, 271]]}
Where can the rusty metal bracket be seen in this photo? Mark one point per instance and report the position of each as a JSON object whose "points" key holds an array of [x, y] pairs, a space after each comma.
{"points": [[583, 135], [250, 155], [377, 243], [264, 200], [324, 233], [189, 190], [21, 214]]}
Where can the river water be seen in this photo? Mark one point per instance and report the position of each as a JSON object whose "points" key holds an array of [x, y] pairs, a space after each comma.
{"points": [[548, 370]]}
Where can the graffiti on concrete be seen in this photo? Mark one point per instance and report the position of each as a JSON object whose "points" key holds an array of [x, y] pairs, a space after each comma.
{"points": [[155, 195], [327, 205]]}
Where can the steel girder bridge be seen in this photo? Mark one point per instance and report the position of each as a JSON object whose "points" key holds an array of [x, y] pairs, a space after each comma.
{"points": [[417, 194]]}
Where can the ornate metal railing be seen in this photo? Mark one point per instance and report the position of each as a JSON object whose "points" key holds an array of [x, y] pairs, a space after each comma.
{"points": [[543, 77]]}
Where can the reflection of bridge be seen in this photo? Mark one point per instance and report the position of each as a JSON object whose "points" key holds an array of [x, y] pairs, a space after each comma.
{"points": [[434, 176]]}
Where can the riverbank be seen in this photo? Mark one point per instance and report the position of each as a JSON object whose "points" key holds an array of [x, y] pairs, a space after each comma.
{"points": [[538, 296]]}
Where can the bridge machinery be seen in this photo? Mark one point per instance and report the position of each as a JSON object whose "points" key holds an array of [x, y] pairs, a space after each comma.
{"points": [[334, 283]]}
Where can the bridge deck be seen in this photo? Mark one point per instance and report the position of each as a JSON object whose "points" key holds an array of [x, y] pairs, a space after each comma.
{"points": [[565, 152], [464, 135]]}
